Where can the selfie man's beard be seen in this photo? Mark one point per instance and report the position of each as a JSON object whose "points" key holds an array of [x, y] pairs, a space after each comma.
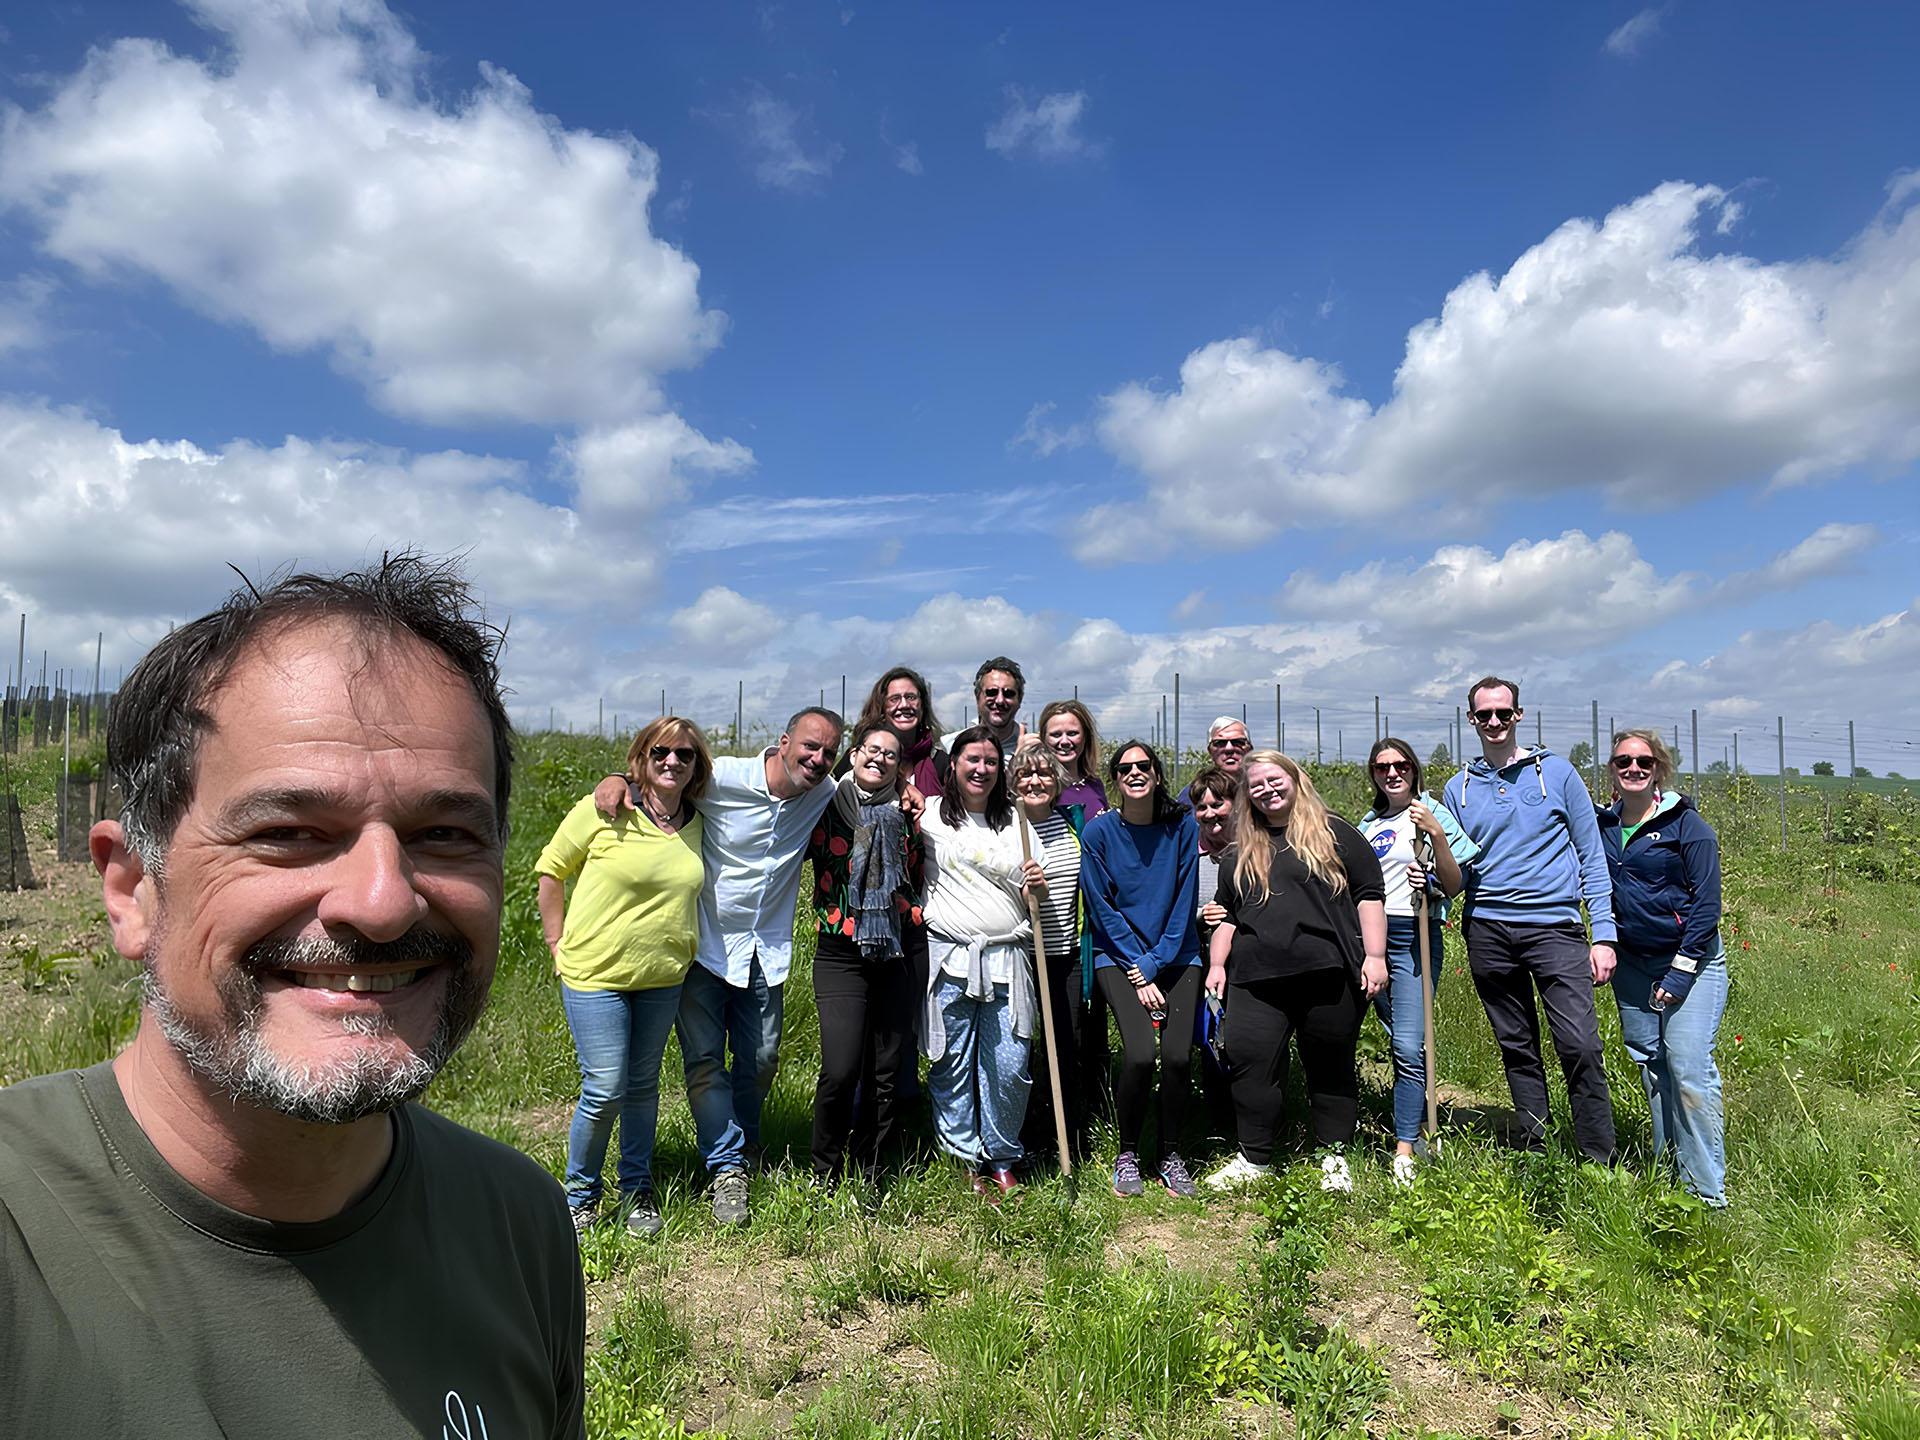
{"points": [[232, 1053]]}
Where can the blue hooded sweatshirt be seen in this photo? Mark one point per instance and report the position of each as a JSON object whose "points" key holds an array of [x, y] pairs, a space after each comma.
{"points": [[1539, 842], [1666, 882]]}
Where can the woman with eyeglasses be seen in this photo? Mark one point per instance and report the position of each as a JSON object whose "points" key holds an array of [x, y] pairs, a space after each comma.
{"points": [[1066, 728], [902, 698], [1670, 982], [621, 946], [1055, 827], [1138, 871], [1212, 792], [1402, 809], [981, 1002], [1304, 948], [868, 959]]}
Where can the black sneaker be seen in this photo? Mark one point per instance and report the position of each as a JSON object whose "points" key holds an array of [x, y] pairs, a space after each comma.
{"points": [[730, 1198], [643, 1214]]}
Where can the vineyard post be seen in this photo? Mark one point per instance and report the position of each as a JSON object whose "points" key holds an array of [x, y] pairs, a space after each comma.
{"points": [[1539, 717], [20, 668], [1696, 757], [1596, 748], [1853, 761], [1279, 723], [1780, 725], [1376, 717], [739, 713], [843, 697], [663, 704], [1176, 722], [1319, 756], [1736, 753], [601, 726]]}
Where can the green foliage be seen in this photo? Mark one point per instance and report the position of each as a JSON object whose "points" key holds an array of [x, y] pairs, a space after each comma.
{"points": [[637, 1370], [1823, 767]]}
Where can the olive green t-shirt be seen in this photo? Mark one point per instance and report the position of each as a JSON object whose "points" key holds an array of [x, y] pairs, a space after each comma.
{"points": [[446, 1302]]}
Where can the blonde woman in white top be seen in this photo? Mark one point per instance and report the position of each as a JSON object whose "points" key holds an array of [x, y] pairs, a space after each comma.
{"points": [[981, 1002]]}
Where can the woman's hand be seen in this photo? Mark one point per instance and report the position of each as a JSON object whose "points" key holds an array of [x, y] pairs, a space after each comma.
{"points": [[1373, 975], [1216, 982], [1033, 879], [1417, 877], [1150, 997], [1213, 914], [1423, 820]]}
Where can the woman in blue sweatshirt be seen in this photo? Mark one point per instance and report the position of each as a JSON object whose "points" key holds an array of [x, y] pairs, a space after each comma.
{"points": [[1671, 982], [1139, 866]]}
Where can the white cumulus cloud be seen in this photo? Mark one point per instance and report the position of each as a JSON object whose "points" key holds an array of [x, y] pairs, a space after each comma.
{"points": [[1613, 355], [724, 622], [1627, 40], [1047, 128], [469, 261]]}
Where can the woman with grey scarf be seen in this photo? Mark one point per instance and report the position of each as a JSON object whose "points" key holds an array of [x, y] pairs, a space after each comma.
{"points": [[869, 957]]}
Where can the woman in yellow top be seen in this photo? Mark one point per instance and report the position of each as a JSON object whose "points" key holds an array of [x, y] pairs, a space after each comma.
{"points": [[621, 949]]}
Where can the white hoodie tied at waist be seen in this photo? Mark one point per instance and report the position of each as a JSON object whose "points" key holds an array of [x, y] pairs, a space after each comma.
{"points": [[981, 953]]}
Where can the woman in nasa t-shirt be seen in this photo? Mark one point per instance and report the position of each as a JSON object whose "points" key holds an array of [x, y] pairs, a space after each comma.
{"points": [[1400, 808]]}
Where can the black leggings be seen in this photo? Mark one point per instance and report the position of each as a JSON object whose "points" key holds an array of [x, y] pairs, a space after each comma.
{"points": [[1323, 1010], [866, 1038], [1138, 1046], [1039, 1136]]}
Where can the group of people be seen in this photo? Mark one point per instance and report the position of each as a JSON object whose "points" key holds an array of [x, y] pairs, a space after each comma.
{"points": [[241, 1224], [992, 898]]}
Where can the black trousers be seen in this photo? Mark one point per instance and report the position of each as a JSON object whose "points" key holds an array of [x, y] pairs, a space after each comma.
{"points": [[1037, 1133], [1322, 1010], [1509, 964], [1096, 1057], [1140, 1044], [866, 1012]]}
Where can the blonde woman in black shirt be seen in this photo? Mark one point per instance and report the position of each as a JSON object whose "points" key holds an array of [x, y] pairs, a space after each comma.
{"points": [[1303, 946]]}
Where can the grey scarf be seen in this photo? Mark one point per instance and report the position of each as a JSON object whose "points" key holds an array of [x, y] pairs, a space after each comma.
{"points": [[876, 866]]}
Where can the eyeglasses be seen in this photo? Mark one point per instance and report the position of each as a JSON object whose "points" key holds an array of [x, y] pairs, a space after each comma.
{"points": [[875, 752], [1393, 767], [1633, 762], [1021, 777], [1231, 744], [1492, 717], [685, 754], [1129, 767], [1265, 787]]}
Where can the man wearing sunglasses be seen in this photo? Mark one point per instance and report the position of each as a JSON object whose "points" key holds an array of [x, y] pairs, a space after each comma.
{"points": [[1541, 857], [1227, 747], [999, 690]]}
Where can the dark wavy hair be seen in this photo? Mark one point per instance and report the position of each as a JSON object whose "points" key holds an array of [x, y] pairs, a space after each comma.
{"points": [[157, 721], [875, 706], [1165, 808], [953, 809], [1387, 742]]}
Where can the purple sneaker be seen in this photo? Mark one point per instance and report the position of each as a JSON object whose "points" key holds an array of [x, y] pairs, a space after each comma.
{"points": [[1173, 1175], [1127, 1183]]}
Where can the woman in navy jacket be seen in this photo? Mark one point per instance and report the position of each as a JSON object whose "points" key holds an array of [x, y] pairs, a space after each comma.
{"points": [[1671, 982]]}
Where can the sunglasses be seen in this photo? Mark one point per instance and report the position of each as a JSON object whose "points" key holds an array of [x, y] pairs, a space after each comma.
{"points": [[1129, 767], [1633, 762], [991, 694], [685, 754], [1493, 717], [1393, 767], [1231, 744]]}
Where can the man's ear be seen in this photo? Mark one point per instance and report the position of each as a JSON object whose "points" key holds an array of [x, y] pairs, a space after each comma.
{"points": [[129, 892]]}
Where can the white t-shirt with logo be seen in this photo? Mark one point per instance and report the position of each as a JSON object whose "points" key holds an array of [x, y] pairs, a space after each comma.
{"points": [[1392, 840]]}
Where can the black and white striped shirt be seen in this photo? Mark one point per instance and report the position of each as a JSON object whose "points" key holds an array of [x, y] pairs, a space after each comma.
{"points": [[1057, 849]]}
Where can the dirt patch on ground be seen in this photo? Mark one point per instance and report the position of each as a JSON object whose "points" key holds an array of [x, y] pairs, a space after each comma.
{"points": [[1202, 1242], [1374, 1296]]}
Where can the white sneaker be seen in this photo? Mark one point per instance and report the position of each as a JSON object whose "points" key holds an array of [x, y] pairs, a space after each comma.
{"points": [[1403, 1168], [1334, 1174], [1235, 1173]]}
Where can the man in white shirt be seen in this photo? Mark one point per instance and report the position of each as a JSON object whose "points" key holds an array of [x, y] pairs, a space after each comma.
{"points": [[759, 812], [999, 690]]}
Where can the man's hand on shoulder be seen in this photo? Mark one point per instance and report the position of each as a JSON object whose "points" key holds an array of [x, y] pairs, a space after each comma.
{"points": [[610, 796], [912, 802]]}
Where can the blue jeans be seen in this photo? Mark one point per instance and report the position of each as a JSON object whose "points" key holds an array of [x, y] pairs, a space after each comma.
{"points": [[619, 1036], [726, 1100], [979, 1084], [1401, 1011], [1674, 1050]]}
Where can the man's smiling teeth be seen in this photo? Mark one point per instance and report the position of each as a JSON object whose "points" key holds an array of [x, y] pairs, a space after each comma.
{"points": [[320, 980]]}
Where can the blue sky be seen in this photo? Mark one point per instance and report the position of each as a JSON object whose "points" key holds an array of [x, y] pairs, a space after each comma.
{"points": [[1357, 352]]}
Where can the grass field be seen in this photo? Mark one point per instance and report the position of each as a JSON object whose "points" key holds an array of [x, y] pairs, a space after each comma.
{"points": [[1501, 1295]]}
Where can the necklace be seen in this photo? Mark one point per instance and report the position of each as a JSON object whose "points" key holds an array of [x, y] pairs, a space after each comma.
{"points": [[666, 822]]}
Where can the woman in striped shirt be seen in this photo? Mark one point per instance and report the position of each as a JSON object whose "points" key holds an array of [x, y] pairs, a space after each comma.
{"points": [[1054, 831]]}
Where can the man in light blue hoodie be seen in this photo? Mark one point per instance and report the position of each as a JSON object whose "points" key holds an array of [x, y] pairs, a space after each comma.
{"points": [[1532, 818]]}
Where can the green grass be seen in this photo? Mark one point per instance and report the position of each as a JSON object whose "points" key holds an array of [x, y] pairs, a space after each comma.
{"points": [[1564, 1299]]}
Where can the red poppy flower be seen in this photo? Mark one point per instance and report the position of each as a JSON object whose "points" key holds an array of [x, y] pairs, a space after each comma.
{"points": [[820, 835], [833, 915], [837, 846], [847, 928]]}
